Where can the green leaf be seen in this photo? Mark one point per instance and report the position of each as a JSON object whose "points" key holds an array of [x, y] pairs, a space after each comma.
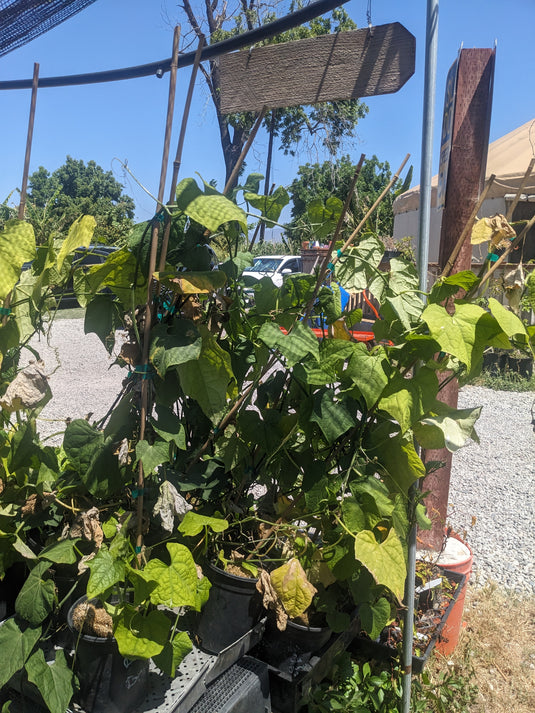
{"points": [[369, 372], [466, 333], [36, 598], [153, 455], [292, 587], [331, 415], [353, 515], [295, 347], [54, 681], [193, 524], [17, 246], [384, 560], [398, 457], [120, 272], [446, 287], [175, 344], [106, 571], [374, 617], [178, 582], [210, 210], [141, 636], [172, 653], [209, 379], [103, 318], [270, 206], [360, 263], [17, 640], [508, 321], [406, 400], [62, 552], [80, 235], [324, 216], [455, 427]]}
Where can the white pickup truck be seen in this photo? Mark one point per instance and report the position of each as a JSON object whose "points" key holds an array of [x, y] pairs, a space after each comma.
{"points": [[274, 266]]}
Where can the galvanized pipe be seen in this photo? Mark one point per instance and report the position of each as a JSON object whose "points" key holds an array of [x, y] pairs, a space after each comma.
{"points": [[426, 168]]}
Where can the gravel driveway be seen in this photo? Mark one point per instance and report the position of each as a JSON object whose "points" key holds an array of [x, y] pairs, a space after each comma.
{"points": [[492, 492]]}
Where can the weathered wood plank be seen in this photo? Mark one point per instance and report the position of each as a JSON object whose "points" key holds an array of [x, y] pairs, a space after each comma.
{"points": [[346, 65]]}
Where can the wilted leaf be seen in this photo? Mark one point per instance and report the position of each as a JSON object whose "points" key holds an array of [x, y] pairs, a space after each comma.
{"points": [[292, 587], [170, 504]]}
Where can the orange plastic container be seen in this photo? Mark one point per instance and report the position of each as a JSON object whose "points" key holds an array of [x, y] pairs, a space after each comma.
{"points": [[457, 556]]}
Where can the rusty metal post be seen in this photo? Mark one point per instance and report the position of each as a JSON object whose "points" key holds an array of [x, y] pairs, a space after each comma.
{"points": [[466, 175]]}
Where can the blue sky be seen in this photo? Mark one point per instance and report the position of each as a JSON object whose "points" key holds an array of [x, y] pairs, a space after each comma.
{"points": [[125, 120]]}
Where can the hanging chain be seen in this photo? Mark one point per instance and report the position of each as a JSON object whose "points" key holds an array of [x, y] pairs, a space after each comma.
{"points": [[369, 14]]}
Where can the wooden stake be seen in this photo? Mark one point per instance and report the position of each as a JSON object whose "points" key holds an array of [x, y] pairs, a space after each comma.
{"points": [[180, 146], [144, 410], [29, 138], [513, 205]]}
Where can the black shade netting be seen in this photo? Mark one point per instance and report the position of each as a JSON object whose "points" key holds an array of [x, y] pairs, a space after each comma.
{"points": [[23, 20]]}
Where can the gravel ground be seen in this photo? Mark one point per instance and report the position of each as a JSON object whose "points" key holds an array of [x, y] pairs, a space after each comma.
{"points": [[492, 491]]}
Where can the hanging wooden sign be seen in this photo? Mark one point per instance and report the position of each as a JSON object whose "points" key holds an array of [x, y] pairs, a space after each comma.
{"points": [[346, 65]]}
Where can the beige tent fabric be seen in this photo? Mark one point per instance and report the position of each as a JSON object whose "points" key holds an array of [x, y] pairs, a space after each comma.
{"points": [[508, 158]]}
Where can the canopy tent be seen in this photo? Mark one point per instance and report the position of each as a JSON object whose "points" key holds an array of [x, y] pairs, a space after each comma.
{"points": [[23, 20], [508, 159]]}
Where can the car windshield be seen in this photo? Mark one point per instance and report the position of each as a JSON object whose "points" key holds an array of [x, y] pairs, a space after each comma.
{"points": [[266, 264]]}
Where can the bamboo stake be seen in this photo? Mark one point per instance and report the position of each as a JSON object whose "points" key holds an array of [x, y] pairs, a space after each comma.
{"points": [[180, 147], [520, 189], [29, 138], [467, 227], [508, 249], [326, 260], [245, 150], [370, 212], [144, 409]]}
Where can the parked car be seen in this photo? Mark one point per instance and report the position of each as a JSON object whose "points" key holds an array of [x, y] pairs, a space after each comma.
{"points": [[274, 266]]}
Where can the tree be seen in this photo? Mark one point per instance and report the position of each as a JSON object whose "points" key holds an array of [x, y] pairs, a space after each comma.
{"points": [[326, 123], [321, 181], [56, 199]]}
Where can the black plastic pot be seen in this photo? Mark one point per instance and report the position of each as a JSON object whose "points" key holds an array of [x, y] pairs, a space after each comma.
{"points": [[233, 608], [103, 673]]}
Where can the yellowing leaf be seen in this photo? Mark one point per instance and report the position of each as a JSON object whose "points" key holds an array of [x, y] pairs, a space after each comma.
{"points": [[495, 229], [384, 560], [80, 234], [17, 246], [292, 587], [192, 283]]}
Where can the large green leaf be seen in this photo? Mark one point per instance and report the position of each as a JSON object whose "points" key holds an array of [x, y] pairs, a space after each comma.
{"points": [[450, 428], [359, 264], [152, 456], [17, 246], [384, 560], [174, 344], [406, 400], [508, 321], [270, 206], [93, 455], [62, 552], [374, 617], [331, 415], [324, 216], [193, 523], [446, 287], [292, 587], [209, 209], [353, 515], [296, 346], [17, 640], [466, 333], [106, 571], [141, 636], [398, 457], [36, 598], [209, 379], [177, 582], [369, 372], [103, 318], [120, 272], [54, 680], [80, 234], [173, 652]]}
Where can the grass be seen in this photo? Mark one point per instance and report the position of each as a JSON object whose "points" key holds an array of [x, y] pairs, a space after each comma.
{"points": [[505, 381], [496, 651]]}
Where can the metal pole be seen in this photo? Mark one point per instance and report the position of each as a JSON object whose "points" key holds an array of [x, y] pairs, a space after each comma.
{"points": [[29, 139], [431, 46]]}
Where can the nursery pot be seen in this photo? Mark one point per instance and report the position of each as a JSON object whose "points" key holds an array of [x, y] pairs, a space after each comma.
{"points": [[103, 673], [233, 608], [456, 557]]}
